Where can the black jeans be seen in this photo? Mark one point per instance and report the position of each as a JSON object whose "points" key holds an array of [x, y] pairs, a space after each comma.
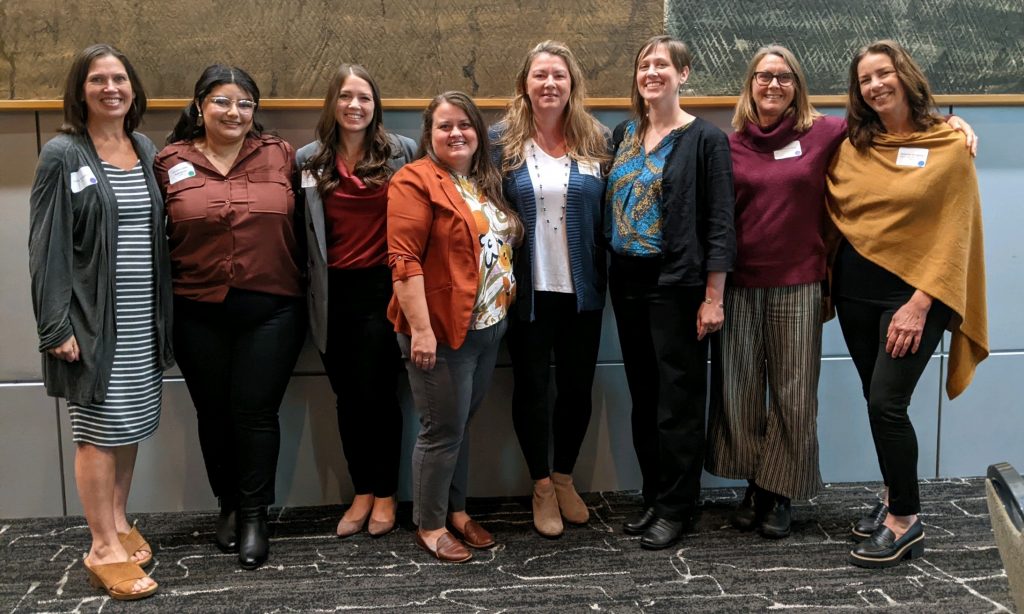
{"points": [[888, 384], [574, 336], [362, 363], [666, 370], [237, 358]]}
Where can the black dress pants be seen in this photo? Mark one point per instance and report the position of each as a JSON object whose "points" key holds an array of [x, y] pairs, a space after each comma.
{"points": [[237, 358], [574, 337], [362, 363], [666, 370]]}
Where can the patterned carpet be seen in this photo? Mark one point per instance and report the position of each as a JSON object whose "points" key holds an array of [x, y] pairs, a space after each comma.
{"points": [[595, 568]]}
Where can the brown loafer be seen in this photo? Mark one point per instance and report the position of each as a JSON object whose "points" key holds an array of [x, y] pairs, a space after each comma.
{"points": [[448, 549], [474, 535]]}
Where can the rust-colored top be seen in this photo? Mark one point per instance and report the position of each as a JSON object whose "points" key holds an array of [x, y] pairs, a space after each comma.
{"points": [[431, 232], [231, 231]]}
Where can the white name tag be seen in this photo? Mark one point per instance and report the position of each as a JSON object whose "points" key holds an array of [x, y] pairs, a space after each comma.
{"points": [[180, 172], [81, 179], [308, 180], [912, 156], [589, 168], [789, 151]]}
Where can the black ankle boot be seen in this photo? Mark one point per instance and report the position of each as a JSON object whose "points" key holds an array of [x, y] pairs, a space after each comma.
{"points": [[744, 517], [226, 533], [776, 523], [253, 544]]}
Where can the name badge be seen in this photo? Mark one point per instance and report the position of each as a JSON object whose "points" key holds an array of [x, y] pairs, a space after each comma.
{"points": [[789, 151], [912, 156], [308, 180], [81, 179], [589, 168], [180, 172]]}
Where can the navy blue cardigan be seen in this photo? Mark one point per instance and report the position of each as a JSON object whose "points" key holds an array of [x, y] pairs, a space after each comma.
{"points": [[584, 230]]}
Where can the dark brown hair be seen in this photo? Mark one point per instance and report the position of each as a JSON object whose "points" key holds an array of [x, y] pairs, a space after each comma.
{"points": [[189, 127], [863, 124], [678, 52], [76, 113], [482, 168], [373, 168]]}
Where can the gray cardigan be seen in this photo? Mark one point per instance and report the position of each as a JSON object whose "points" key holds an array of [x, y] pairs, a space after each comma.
{"points": [[403, 150], [72, 246]]}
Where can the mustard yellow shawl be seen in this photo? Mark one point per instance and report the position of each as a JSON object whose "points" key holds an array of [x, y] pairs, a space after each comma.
{"points": [[924, 225]]}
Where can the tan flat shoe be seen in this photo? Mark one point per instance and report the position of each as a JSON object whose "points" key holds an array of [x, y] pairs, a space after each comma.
{"points": [[112, 577], [546, 518], [133, 542], [570, 504], [351, 527]]}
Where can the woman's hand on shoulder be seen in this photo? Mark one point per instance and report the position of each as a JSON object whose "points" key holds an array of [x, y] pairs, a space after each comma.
{"points": [[907, 325], [67, 351], [970, 138]]}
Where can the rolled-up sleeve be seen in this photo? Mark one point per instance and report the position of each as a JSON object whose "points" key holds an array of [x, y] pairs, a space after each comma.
{"points": [[410, 216], [720, 242], [50, 248]]}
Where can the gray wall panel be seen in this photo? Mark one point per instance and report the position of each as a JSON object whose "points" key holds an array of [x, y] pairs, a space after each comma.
{"points": [[30, 476]]}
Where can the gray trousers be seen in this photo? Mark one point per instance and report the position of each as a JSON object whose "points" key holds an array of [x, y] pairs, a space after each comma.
{"points": [[763, 422], [446, 399]]}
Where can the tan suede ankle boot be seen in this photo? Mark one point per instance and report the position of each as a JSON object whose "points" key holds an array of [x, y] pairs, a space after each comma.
{"points": [[546, 517], [569, 502]]}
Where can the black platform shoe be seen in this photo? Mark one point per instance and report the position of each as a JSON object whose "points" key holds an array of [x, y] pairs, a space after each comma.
{"points": [[639, 523], [882, 549], [226, 533], [867, 525], [776, 523], [744, 517], [253, 544], [662, 533]]}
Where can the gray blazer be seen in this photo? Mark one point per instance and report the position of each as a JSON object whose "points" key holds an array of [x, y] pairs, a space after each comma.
{"points": [[72, 245], [403, 150]]}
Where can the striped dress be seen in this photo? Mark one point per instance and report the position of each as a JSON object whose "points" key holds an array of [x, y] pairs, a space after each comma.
{"points": [[131, 411]]}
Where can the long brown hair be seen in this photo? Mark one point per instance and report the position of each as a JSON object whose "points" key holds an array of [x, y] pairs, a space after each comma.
{"points": [[678, 52], [76, 111], [373, 168], [863, 124], [585, 137], [801, 107], [482, 168]]}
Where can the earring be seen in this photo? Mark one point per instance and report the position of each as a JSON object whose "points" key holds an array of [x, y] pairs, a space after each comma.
{"points": [[199, 119]]}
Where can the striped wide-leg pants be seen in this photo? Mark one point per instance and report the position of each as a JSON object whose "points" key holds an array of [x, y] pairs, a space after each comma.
{"points": [[763, 420]]}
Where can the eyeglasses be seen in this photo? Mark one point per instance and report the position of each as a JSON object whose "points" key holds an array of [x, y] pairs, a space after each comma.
{"points": [[223, 102], [763, 77]]}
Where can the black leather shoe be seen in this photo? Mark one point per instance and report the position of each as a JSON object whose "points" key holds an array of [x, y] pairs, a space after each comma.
{"points": [[882, 549], [639, 523], [226, 533], [253, 544], [867, 525], [744, 517], [776, 523], [662, 533]]}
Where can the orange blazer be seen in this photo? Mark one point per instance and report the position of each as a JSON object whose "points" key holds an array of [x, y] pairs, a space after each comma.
{"points": [[431, 232]]}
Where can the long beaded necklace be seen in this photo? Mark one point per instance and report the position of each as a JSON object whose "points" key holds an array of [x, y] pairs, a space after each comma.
{"points": [[540, 189]]}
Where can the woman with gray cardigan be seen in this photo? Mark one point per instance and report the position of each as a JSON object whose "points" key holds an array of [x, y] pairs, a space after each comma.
{"points": [[345, 175]]}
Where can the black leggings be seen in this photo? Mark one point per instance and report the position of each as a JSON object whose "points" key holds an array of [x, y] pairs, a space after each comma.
{"points": [[888, 385], [362, 363], [574, 336], [237, 358]]}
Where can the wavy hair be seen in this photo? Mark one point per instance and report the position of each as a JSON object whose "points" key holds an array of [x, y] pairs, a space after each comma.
{"points": [[482, 168], [863, 123], [585, 138], [373, 167], [680, 56], [801, 107], [189, 128], [76, 112]]}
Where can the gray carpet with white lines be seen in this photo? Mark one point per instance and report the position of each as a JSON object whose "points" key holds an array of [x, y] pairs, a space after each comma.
{"points": [[594, 568]]}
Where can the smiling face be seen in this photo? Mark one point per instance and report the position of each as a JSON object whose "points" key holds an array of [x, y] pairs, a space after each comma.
{"points": [[773, 99], [453, 138], [881, 88], [656, 75], [548, 84], [107, 91], [227, 123], [354, 110]]}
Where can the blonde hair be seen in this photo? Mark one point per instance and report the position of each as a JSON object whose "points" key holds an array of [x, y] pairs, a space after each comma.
{"points": [[801, 107], [585, 137]]}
